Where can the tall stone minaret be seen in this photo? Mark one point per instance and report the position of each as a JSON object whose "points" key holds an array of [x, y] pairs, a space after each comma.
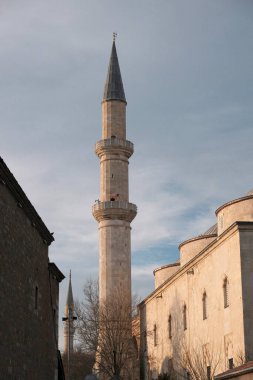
{"points": [[69, 319], [113, 211]]}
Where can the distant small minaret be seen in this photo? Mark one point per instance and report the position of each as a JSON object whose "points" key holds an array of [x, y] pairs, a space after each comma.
{"points": [[69, 318]]}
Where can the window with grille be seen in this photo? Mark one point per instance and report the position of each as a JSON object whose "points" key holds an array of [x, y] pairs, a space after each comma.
{"points": [[170, 326], [185, 317], [225, 293], [204, 305]]}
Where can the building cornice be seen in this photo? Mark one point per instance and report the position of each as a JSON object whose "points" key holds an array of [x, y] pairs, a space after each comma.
{"points": [[7, 179], [196, 238], [199, 257], [177, 264], [232, 202], [56, 272], [236, 372]]}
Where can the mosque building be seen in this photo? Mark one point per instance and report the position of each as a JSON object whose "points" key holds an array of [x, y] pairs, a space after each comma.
{"points": [[200, 315]]}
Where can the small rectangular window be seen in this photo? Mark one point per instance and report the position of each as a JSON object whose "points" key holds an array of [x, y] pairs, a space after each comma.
{"points": [[208, 372], [225, 293], [36, 298], [204, 306], [145, 340], [155, 335], [230, 363], [185, 317], [170, 327]]}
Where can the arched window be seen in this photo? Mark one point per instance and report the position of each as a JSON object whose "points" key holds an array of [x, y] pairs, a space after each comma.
{"points": [[170, 326], [155, 335], [204, 305], [225, 293], [184, 317]]}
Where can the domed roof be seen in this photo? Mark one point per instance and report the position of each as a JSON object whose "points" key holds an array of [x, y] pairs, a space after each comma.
{"points": [[250, 192], [211, 231]]}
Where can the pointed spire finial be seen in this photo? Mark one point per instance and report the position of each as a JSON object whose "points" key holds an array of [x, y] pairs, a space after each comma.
{"points": [[114, 89], [114, 36], [70, 300]]}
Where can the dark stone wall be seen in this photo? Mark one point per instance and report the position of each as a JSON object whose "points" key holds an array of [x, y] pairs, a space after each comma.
{"points": [[246, 251], [28, 346], [54, 291]]}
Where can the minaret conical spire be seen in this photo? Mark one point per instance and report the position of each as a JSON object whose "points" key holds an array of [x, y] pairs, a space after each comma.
{"points": [[114, 89], [70, 301], [69, 328]]}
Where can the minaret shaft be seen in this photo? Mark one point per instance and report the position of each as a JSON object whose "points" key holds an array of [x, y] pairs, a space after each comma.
{"points": [[114, 232], [113, 178], [115, 259], [69, 332], [113, 119]]}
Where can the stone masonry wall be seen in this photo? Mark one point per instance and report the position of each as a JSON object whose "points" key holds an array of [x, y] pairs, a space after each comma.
{"points": [[246, 251], [28, 348]]}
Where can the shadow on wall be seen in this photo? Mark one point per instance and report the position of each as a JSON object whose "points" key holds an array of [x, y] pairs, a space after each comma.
{"points": [[178, 325], [151, 367], [186, 355]]}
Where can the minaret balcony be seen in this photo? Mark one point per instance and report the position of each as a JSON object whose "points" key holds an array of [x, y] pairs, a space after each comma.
{"points": [[114, 145], [116, 210]]}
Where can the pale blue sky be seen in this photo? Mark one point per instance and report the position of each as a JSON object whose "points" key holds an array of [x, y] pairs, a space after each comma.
{"points": [[188, 78]]}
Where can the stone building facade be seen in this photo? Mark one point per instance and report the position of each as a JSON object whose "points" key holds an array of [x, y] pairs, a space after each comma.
{"points": [[29, 289], [202, 306]]}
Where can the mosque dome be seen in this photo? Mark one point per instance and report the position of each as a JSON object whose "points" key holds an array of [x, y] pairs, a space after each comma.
{"points": [[249, 193], [237, 210], [164, 272], [211, 230]]}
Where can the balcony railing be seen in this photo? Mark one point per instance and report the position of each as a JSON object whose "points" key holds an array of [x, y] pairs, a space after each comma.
{"points": [[106, 145], [114, 204], [119, 210], [115, 142]]}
